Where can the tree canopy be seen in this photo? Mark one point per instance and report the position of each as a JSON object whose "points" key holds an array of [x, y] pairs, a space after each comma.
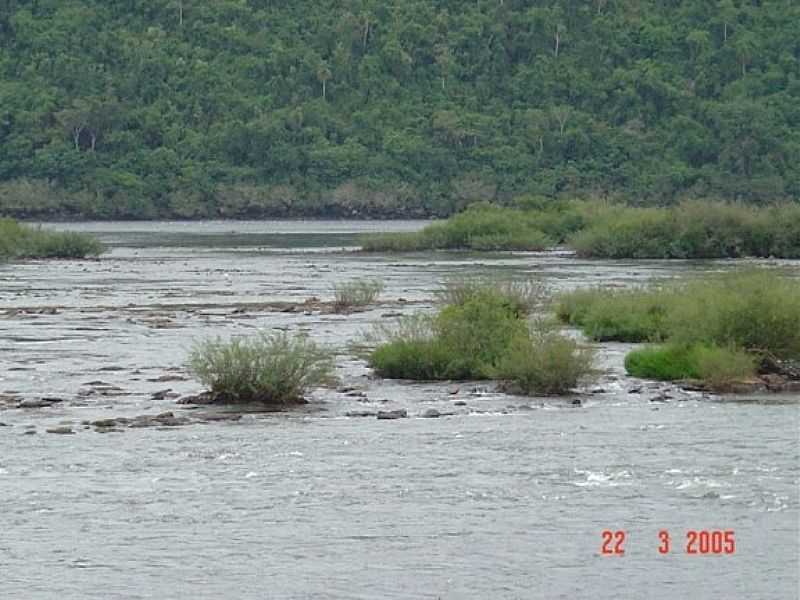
{"points": [[233, 108]]}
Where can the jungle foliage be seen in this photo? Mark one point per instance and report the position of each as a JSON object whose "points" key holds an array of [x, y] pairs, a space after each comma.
{"points": [[246, 108]]}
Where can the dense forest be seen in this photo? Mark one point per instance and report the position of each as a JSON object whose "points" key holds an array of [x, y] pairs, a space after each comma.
{"points": [[244, 108]]}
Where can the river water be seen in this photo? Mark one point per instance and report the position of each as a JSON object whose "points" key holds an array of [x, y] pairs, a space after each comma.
{"points": [[505, 497]]}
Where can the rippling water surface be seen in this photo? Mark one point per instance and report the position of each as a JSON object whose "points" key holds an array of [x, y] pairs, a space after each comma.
{"points": [[505, 497]]}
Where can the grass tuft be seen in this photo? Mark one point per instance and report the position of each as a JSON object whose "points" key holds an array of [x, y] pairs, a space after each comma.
{"points": [[356, 293], [271, 368]]}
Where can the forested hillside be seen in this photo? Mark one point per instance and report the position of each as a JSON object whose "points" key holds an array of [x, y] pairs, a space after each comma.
{"points": [[223, 108]]}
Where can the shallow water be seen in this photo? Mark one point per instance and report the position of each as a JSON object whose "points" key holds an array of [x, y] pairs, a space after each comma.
{"points": [[504, 498]]}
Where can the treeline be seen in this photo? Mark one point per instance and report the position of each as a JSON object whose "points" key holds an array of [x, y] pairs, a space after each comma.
{"points": [[244, 108]]}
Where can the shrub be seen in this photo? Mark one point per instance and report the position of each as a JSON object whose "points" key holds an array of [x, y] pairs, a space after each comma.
{"points": [[356, 293], [480, 335], [22, 241], [521, 296], [665, 363], [545, 362], [717, 366], [273, 368], [477, 333]]}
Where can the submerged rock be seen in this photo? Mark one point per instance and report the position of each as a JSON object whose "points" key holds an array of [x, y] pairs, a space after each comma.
{"points": [[431, 413], [400, 413], [63, 430], [361, 413], [38, 402]]}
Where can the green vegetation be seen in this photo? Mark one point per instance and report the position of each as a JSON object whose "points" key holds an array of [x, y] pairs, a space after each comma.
{"points": [[717, 366], [22, 241], [483, 336], [622, 315], [691, 229], [356, 293], [716, 329], [545, 362], [235, 108], [269, 368], [522, 297], [479, 227]]}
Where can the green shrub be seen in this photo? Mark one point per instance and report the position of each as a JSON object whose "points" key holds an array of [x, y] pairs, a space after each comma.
{"points": [[356, 293], [480, 335], [665, 363], [717, 366], [477, 333], [22, 241], [273, 368], [545, 362]]}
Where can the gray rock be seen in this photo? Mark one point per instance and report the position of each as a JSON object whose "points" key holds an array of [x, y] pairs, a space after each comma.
{"points": [[459, 403], [400, 413], [64, 429], [38, 402], [361, 413], [431, 413]]}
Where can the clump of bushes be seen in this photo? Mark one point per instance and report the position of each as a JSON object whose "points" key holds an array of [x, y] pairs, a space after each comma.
{"points": [[356, 293], [716, 329], [270, 368], [692, 229], [480, 227], [23, 241], [481, 335]]}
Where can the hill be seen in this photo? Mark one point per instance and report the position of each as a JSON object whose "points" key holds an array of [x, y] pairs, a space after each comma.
{"points": [[237, 108]]}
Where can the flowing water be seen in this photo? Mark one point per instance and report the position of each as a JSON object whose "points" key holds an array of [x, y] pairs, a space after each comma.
{"points": [[501, 497]]}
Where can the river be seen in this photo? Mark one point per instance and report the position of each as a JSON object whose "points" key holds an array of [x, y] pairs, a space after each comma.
{"points": [[504, 497]]}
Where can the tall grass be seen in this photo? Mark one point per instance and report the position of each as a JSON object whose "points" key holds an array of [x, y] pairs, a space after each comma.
{"points": [[23, 241], [356, 293], [269, 368]]}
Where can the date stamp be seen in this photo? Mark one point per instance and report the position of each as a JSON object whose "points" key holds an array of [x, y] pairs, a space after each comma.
{"points": [[696, 542]]}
